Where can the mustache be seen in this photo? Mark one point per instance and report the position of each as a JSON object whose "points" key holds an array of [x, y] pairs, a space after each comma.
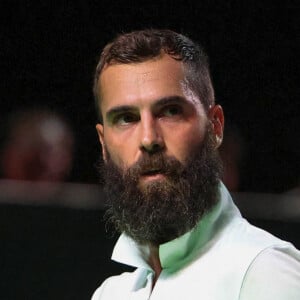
{"points": [[155, 163]]}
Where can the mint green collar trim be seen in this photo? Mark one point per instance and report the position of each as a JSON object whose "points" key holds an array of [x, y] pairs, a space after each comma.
{"points": [[180, 251]]}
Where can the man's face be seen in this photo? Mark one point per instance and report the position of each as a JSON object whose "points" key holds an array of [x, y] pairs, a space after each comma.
{"points": [[153, 129], [148, 104]]}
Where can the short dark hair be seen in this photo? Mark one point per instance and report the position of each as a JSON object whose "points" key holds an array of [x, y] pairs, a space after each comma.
{"points": [[143, 45]]}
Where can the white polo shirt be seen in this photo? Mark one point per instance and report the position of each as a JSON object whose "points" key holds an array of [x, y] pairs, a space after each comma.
{"points": [[222, 258]]}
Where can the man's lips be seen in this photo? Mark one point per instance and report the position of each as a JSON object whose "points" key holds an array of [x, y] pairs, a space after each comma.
{"points": [[152, 175], [151, 172]]}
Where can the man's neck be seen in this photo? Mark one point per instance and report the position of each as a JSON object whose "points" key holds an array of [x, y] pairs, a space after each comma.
{"points": [[154, 262]]}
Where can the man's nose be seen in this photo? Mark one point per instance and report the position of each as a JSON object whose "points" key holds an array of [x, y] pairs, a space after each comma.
{"points": [[151, 137]]}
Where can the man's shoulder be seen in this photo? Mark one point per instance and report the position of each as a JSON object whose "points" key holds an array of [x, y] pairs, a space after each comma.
{"points": [[115, 287], [273, 274], [240, 233], [241, 243], [247, 253]]}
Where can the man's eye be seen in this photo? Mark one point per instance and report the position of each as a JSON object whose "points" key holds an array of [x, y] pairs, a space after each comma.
{"points": [[125, 119], [172, 111]]}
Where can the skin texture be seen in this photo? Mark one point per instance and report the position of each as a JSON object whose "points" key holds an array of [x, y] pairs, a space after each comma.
{"points": [[148, 107]]}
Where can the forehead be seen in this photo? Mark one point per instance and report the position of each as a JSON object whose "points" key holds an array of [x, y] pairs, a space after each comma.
{"points": [[164, 63], [152, 79]]}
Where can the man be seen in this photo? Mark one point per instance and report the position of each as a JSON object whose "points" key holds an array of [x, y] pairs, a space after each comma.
{"points": [[160, 130]]}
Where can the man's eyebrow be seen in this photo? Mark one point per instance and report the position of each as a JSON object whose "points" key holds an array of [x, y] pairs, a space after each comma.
{"points": [[118, 110], [170, 100]]}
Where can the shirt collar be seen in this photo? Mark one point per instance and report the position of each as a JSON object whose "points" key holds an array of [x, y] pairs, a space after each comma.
{"points": [[183, 249]]}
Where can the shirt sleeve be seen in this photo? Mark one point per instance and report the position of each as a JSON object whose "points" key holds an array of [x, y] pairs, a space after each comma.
{"points": [[114, 287], [273, 275], [97, 293], [102, 291]]}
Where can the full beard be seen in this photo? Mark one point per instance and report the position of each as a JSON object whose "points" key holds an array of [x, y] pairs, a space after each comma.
{"points": [[162, 210]]}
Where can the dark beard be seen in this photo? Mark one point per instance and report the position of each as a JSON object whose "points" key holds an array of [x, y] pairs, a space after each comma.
{"points": [[162, 210]]}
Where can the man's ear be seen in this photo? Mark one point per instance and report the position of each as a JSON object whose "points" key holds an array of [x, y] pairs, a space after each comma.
{"points": [[100, 131], [216, 117]]}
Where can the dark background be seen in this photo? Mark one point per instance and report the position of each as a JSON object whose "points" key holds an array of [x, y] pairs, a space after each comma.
{"points": [[49, 50], [48, 53]]}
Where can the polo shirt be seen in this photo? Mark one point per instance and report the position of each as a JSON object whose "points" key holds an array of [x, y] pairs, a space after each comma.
{"points": [[222, 258]]}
